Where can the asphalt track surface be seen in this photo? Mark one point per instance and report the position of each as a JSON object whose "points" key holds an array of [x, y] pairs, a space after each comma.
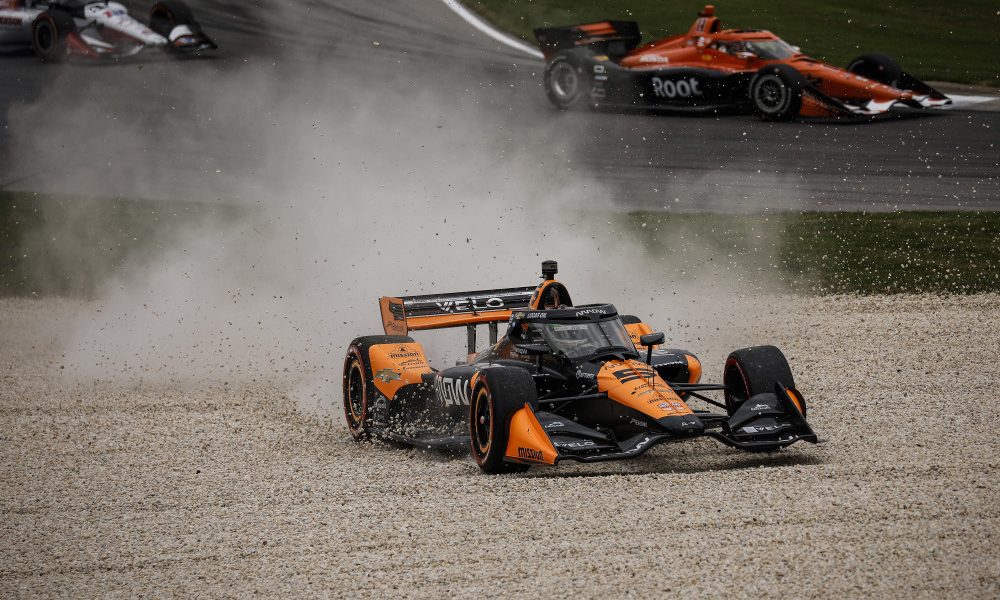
{"points": [[144, 480], [722, 163]]}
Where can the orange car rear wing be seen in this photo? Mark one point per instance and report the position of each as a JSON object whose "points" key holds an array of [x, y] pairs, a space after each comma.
{"points": [[401, 315], [611, 37]]}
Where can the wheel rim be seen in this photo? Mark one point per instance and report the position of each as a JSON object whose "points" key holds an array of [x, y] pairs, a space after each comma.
{"points": [[482, 415], [564, 81], [771, 94], [43, 37], [354, 396]]}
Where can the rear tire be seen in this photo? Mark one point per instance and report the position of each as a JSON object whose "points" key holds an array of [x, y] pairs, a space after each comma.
{"points": [[48, 34], [776, 93], [567, 83], [499, 393], [877, 67], [755, 370], [359, 383], [167, 14]]}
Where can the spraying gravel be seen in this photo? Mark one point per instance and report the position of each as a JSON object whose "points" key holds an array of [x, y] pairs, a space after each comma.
{"points": [[227, 488]]}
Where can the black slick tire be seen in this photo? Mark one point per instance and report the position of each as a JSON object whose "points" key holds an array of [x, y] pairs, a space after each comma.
{"points": [[877, 67], [776, 93], [499, 393], [754, 370], [167, 14], [359, 383], [567, 83], [48, 34]]}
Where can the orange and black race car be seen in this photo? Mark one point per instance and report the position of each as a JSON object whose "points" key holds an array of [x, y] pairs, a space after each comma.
{"points": [[710, 69], [564, 382]]}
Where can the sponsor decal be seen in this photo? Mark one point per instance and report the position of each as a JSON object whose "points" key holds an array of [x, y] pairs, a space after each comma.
{"points": [[590, 311], [451, 391], [653, 58], [10, 21], [470, 305], [668, 88], [631, 374], [638, 422], [598, 68], [669, 405], [583, 444], [758, 407], [404, 352], [580, 374], [534, 315], [638, 446], [763, 429], [554, 424], [530, 454], [387, 375]]}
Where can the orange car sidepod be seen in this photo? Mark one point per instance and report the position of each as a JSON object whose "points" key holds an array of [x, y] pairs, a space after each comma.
{"points": [[395, 365]]}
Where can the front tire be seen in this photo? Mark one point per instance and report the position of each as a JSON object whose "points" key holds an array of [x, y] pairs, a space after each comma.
{"points": [[567, 84], [48, 35], [359, 383], [877, 67], [776, 93], [755, 370], [499, 393]]}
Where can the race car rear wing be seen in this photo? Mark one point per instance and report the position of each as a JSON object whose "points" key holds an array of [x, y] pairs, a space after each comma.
{"points": [[614, 38], [436, 311]]}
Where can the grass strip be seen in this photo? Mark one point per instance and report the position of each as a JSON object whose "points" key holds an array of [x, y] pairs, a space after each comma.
{"points": [[54, 245], [67, 246]]}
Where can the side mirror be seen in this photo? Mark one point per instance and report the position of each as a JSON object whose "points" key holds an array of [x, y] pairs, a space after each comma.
{"points": [[652, 339], [649, 340]]}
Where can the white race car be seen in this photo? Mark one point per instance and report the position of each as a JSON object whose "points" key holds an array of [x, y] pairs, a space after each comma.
{"points": [[60, 29]]}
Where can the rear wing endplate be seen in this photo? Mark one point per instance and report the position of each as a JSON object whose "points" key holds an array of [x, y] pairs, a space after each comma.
{"points": [[401, 315]]}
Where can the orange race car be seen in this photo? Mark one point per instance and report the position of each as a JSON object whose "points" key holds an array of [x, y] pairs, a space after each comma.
{"points": [[714, 69], [564, 382]]}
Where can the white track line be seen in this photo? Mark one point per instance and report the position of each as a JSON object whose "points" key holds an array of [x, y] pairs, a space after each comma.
{"points": [[959, 100], [481, 25]]}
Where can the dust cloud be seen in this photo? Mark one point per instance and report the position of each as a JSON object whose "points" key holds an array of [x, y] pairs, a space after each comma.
{"points": [[346, 193]]}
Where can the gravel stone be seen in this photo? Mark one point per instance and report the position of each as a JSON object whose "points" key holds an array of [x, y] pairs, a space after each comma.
{"points": [[228, 489]]}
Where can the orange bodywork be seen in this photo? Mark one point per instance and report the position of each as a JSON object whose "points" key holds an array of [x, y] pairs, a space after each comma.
{"points": [[636, 385], [694, 368], [797, 399], [637, 330], [707, 46], [396, 365], [527, 441]]}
